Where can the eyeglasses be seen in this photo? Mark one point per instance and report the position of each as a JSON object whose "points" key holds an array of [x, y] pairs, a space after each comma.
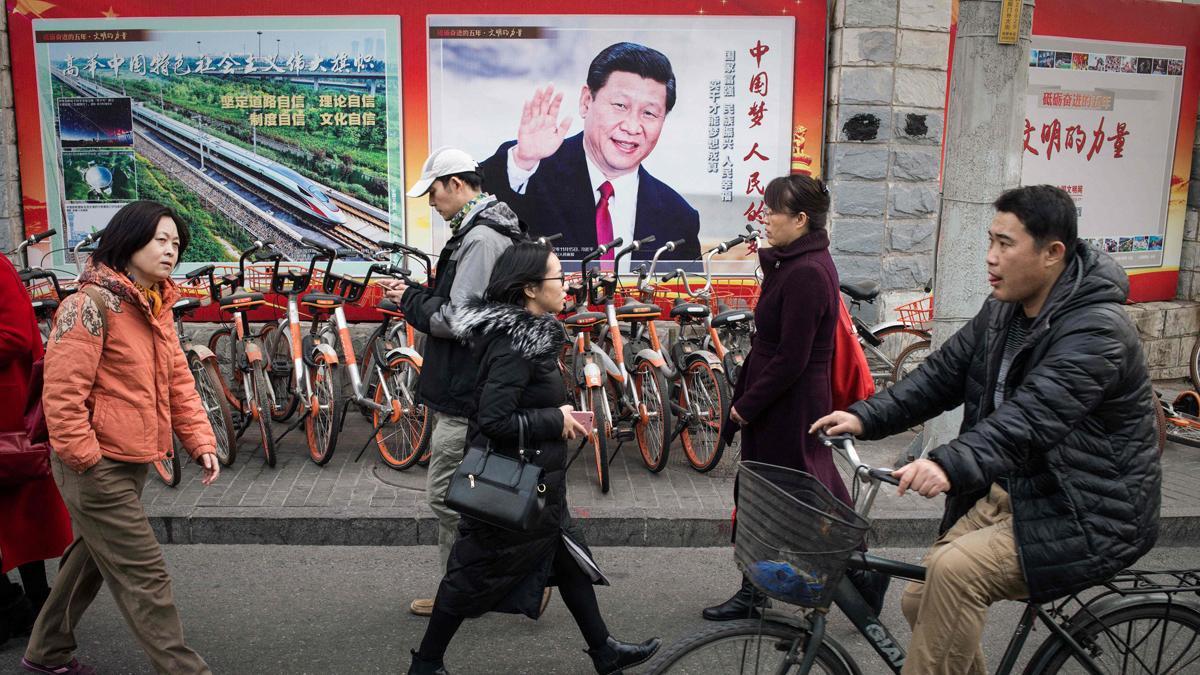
{"points": [[561, 278]]}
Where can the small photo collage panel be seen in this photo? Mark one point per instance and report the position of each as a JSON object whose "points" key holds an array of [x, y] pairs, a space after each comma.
{"points": [[1109, 63], [1134, 244]]}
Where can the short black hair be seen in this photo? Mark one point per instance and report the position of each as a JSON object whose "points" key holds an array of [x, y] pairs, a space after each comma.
{"points": [[133, 227], [1047, 212], [630, 57], [795, 194], [521, 265], [473, 179]]}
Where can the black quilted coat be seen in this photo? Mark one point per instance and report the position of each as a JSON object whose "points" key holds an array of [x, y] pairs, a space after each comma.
{"points": [[490, 568], [1074, 441]]}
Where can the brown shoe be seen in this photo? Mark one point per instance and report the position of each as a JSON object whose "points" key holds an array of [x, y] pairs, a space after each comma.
{"points": [[546, 593], [422, 607]]}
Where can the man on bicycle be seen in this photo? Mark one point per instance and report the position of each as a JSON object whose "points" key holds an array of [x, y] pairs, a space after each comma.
{"points": [[481, 229], [1053, 483]]}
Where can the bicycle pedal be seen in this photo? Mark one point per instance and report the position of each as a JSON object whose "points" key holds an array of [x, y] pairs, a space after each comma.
{"points": [[624, 434]]}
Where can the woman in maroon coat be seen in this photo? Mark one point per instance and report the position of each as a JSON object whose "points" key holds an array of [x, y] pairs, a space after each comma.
{"points": [[34, 524], [785, 383]]}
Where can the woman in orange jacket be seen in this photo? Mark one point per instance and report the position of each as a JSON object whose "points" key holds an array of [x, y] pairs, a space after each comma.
{"points": [[117, 385]]}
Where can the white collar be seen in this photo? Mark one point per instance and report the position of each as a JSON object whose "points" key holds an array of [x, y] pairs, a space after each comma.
{"points": [[624, 185]]}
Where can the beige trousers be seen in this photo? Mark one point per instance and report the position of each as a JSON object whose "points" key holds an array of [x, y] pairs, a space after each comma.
{"points": [[971, 566], [113, 545], [447, 445]]}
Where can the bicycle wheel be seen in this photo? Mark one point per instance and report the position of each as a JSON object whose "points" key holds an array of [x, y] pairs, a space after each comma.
{"points": [[325, 412], [1184, 429], [276, 340], [598, 439], [653, 424], [366, 364], [1194, 364], [401, 442], [910, 359], [882, 358], [701, 438], [168, 468], [1149, 637], [260, 386], [208, 386], [221, 344], [744, 646]]}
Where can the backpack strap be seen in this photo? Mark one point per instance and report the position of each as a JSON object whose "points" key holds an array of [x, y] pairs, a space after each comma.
{"points": [[97, 297]]}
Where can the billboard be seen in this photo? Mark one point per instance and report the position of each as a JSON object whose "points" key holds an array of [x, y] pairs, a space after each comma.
{"points": [[1100, 120], [554, 109], [1111, 110], [249, 127]]}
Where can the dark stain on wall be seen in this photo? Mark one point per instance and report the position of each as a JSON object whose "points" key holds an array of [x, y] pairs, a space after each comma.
{"points": [[914, 125], [861, 127]]}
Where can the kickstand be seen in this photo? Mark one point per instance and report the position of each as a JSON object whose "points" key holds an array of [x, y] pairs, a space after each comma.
{"points": [[293, 426], [369, 439], [577, 451]]}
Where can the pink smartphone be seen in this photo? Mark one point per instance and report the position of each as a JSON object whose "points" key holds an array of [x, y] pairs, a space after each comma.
{"points": [[583, 417]]}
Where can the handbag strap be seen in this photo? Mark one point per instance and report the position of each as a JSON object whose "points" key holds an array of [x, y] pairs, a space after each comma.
{"points": [[521, 435]]}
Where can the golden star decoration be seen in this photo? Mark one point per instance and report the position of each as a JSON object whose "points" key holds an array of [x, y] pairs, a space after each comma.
{"points": [[32, 7], [109, 13]]}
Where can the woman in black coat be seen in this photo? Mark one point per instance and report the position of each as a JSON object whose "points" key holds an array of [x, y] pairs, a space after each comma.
{"points": [[515, 338], [785, 383]]}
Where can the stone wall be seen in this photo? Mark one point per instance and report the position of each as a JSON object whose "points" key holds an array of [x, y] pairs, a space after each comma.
{"points": [[887, 92], [10, 189]]}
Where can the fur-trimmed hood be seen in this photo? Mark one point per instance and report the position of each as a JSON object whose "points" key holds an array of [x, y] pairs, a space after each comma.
{"points": [[533, 336]]}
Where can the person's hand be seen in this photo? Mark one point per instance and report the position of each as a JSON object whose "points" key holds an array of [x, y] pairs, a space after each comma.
{"points": [[924, 476], [733, 415], [572, 429], [837, 423], [393, 289], [540, 133], [212, 468]]}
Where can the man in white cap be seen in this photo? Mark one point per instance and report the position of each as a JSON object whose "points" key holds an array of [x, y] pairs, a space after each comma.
{"points": [[481, 229]]}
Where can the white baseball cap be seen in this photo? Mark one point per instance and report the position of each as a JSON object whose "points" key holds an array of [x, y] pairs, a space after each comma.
{"points": [[444, 161]]}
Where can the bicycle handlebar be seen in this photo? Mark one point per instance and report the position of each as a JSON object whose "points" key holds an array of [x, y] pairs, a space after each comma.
{"points": [[635, 245], [845, 444], [547, 240], [601, 250]]}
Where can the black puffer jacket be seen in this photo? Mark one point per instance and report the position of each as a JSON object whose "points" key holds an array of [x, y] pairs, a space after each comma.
{"points": [[1074, 441], [493, 569]]}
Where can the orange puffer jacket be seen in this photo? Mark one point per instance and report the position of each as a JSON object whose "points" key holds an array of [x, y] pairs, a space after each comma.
{"points": [[120, 395]]}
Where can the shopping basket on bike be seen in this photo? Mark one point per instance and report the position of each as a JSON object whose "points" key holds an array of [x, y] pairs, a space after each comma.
{"points": [[793, 537]]}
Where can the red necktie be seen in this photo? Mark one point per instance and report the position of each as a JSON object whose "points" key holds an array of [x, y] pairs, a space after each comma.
{"points": [[604, 228]]}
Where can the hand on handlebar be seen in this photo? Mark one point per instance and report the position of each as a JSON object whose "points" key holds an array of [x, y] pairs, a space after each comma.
{"points": [[924, 476], [393, 289], [837, 423]]}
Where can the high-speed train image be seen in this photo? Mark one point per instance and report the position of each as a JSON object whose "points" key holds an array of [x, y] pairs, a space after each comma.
{"points": [[258, 172]]}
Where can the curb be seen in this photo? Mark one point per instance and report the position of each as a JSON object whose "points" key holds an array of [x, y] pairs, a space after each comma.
{"points": [[371, 529]]}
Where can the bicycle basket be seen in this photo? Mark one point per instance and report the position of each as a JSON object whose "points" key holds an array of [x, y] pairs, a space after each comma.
{"points": [[793, 536], [918, 313]]}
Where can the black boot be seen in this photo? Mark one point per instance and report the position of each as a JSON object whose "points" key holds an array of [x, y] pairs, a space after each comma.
{"points": [[616, 656], [743, 605], [16, 614], [421, 667]]}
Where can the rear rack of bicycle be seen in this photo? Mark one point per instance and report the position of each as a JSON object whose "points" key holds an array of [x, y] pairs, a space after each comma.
{"points": [[1136, 582]]}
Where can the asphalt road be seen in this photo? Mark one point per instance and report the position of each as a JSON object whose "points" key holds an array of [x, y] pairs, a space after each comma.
{"points": [[326, 609]]}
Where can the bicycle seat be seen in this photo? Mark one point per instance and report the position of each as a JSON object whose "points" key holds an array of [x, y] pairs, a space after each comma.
{"points": [[584, 320], [638, 311], [322, 300], [239, 301], [860, 289], [732, 316], [390, 308], [185, 305], [689, 310], [44, 307]]}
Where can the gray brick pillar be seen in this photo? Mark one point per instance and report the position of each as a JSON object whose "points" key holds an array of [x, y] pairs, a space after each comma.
{"points": [[11, 229], [887, 93], [1189, 261]]}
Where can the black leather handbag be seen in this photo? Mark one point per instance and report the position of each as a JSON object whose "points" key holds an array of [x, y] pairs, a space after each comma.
{"points": [[498, 489]]}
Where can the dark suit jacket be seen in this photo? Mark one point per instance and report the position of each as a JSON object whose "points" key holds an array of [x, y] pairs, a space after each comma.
{"points": [[558, 198]]}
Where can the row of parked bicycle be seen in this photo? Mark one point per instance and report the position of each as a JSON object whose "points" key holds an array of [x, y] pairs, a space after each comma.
{"points": [[641, 382]]}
